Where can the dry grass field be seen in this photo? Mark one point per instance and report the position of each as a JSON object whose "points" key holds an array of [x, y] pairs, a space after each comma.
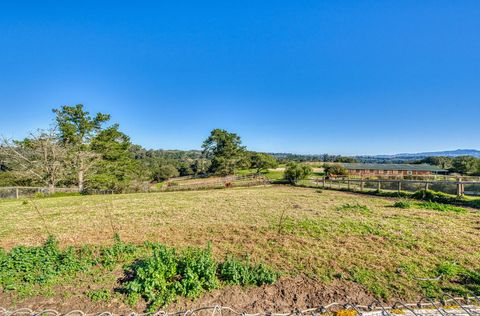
{"points": [[340, 243]]}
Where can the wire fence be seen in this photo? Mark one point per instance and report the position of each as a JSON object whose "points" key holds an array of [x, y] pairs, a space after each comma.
{"points": [[446, 306], [177, 184]]}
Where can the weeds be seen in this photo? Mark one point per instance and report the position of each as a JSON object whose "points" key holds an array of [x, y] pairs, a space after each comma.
{"points": [[101, 295], [167, 274], [233, 271], [402, 204], [25, 267]]}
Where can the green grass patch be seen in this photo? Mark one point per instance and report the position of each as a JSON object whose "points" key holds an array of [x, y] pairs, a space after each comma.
{"points": [[402, 204], [440, 207]]}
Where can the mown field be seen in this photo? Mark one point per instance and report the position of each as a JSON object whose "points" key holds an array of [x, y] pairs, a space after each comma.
{"points": [[340, 245]]}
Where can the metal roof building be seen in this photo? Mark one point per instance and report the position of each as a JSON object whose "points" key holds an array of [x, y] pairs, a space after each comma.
{"points": [[392, 168]]}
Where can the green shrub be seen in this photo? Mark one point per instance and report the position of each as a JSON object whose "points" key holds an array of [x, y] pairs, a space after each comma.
{"points": [[335, 170], [233, 271], [296, 171]]}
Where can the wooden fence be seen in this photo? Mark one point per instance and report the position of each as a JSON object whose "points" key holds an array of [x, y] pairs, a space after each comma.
{"points": [[458, 187]]}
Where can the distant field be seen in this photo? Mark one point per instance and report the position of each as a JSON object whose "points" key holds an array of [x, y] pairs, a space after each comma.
{"points": [[278, 173], [339, 239]]}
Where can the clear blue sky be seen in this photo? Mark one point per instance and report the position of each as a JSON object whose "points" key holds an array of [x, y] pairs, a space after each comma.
{"points": [[348, 77]]}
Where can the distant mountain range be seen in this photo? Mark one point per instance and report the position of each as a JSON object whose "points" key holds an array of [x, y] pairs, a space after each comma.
{"points": [[448, 153]]}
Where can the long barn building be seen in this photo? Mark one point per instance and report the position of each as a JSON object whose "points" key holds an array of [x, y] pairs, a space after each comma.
{"points": [[392, 169]]}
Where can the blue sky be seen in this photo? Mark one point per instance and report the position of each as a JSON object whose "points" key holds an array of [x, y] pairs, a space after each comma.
{"points": [[345, 77]]}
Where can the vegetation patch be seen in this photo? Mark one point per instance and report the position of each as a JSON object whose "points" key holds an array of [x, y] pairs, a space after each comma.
{"points": [[426, 195], [234, 271], [402, 204], [450, 277], [429, 206], [100, 295], [24, 268], [167, 274], [440, 207]]}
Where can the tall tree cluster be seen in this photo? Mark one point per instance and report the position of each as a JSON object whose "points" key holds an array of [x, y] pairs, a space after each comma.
{"points": [[465, 165], [78, 150], [88, 152]]}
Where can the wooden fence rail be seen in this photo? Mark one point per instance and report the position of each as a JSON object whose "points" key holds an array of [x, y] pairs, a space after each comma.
{"points": [[400, 184]]}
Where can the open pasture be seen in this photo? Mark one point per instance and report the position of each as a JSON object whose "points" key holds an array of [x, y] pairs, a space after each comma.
{"points": [[341, 241]]}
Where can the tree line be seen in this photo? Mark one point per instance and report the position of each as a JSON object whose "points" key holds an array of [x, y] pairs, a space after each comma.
{"points": [[465, 165], [91, 153]]}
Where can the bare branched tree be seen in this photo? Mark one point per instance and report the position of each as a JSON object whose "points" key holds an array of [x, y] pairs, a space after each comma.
{"points": [[41, 156]]}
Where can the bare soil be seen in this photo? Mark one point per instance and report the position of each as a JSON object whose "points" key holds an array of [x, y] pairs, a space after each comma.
{"points": [[288, 294]]}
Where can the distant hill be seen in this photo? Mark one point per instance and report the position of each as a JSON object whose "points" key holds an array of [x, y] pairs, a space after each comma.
{"points": [[448, 153], [396, 158]]}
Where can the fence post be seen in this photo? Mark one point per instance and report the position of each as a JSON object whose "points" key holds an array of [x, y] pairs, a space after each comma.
{"points": [[399, 186], [426, 186], [379, 186], [17, 193], [362, 185], [460, 187]]}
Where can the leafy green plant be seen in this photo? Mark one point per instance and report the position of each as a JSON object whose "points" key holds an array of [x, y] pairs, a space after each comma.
{"points": [[101, 295], [163, 276], [118, 252], [233, 271], [26, 266]]}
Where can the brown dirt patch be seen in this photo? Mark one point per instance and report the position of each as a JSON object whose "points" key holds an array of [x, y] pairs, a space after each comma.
{"points": [[288, 294]]}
